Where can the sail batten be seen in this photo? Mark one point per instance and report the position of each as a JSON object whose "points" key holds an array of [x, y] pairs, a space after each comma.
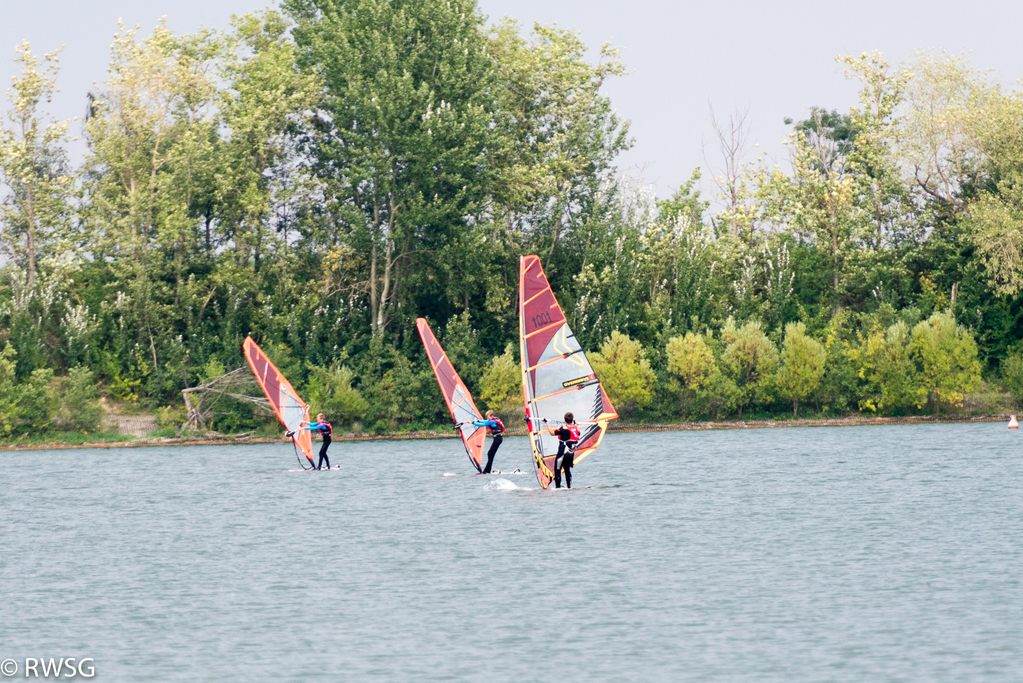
{"points": [[556, 375], [457, 397], [285, 401]]}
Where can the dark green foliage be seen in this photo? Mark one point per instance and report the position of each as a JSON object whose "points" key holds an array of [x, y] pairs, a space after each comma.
{"points": [[80, 410], [324, 176]]}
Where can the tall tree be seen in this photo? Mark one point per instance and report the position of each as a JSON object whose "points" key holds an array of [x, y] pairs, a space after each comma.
{"points": [[406, 117], [36, 211]]}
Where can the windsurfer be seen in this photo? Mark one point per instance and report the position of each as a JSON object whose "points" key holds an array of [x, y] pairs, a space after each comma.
{"points": [[325, 430], [496, 428], [568, 437]]}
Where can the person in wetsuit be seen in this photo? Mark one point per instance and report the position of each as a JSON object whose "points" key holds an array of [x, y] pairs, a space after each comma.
{"points": [[325, 430], [568, 437], [496, 428]]}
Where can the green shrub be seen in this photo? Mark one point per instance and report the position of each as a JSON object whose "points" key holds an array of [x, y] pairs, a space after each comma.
{"points": [[1012, 376], [690, 363], [80, 410], [802, 365], [171, 417], [330, 392], [501, 383]]}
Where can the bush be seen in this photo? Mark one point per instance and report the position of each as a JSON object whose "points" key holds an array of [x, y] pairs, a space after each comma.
{"points": [[9, 409], [886, 362], [749, 361], [171, 417], [1012, 376], [624, 372], [501, 383], [80, 410], [331, 393], [690, 363], [947, 354], [802, 365], [37, 400]]}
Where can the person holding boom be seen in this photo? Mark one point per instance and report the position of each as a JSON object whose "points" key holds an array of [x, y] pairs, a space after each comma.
{"points": [[496, 428], [568, 437], [325, 430]]}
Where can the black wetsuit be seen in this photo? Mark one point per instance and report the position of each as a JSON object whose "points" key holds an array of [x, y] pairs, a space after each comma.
{"points": [[325, 430], [496, 429], [566, 454]]}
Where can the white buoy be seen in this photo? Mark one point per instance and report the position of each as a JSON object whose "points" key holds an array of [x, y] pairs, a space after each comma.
{"points": [[1012, 422]]}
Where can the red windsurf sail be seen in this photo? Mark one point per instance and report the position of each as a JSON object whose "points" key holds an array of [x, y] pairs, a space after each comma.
{"points": [[284, 400], [556, 376], [457, 397]]}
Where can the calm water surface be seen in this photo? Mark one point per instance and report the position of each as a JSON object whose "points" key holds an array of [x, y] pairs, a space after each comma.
{"points": [[826, 554]]}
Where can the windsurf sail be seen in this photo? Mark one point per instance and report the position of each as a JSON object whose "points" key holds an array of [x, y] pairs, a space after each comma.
{"points": [[556, 376], [457, 397], [284, 400]]}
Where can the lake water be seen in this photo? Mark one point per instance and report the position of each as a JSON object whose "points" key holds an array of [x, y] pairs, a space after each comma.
{"points": [[824, 554]]}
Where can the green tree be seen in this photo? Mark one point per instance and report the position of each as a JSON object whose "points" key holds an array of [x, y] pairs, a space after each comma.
{"points": [[80, 409], [690, 363], [749, 360], [886, 361], [409, 112], [624, 372], [10, 410], [1012, 376], [36, 212], [802, 365], [501, 383], [947, 354], [151, 136], [331, 393], [38, 400]]}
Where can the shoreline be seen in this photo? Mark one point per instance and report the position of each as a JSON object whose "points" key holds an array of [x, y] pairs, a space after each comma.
{"points": [[613, 428]]}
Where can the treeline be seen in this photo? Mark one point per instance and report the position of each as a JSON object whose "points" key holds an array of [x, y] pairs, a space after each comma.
{"points": [[321, 175]]}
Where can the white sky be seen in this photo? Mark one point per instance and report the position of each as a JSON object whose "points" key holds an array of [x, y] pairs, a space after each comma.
{"points": [[774, 58]]}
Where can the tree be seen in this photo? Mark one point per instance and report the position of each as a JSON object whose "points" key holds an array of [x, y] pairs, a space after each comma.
{"points": [[1012, 376], [947, 354], [750, 360], [886, 362], [36, 212], [10, 411], [80, 409], [331, 393], [690, 362], [624, 373], [501, 383], [802, 365], [406, 119], [151, 136], [559, 134]]}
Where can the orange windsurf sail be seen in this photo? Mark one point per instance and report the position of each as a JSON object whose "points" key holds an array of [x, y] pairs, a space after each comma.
{"points": [[457, 397], [556, 376], [284, 400]]}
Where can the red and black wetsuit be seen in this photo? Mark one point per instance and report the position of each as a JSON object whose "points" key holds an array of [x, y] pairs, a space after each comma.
{"points": [[568, 437]]}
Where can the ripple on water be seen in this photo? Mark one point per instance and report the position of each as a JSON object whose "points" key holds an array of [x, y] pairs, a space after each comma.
{"points": [[840, 554]]}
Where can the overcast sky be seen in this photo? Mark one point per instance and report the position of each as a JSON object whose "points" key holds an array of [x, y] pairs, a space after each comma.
{"points": [[775, 58]]}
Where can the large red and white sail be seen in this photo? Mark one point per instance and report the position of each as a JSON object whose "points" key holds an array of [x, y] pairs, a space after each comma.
{"points": [[456, 395], [556, 376], [286, 404]]}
